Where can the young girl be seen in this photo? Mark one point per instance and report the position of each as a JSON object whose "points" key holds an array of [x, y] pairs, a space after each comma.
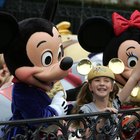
{"points": [[100, 93]]}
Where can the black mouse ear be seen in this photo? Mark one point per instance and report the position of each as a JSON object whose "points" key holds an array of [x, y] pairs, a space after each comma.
{"points": [[94, 34], [50, 9], [8, 30]]}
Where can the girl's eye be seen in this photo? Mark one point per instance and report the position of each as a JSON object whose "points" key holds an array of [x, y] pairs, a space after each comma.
{"points": [[46, 58], [96, 80], [107, 81]]}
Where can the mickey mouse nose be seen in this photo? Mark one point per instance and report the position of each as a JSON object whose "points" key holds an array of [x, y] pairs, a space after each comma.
{"points": [[66, 63]]}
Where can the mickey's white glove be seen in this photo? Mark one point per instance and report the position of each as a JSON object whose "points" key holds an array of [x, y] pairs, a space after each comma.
{"points": [[59, 103]]}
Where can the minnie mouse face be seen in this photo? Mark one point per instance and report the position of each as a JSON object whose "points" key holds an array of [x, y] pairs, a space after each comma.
{"points": [[129, 53]]}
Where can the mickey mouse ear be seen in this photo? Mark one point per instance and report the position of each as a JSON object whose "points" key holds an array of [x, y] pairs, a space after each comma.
{"points": [[95, 33], [50, 9], [8, 30]]}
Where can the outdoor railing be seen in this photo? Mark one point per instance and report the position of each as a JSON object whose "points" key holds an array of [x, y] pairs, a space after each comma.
{"points": [[78, 126]]}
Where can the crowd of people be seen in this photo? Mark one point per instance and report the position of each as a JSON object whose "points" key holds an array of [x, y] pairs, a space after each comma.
{"points": [[99, 93], [36, 74]]}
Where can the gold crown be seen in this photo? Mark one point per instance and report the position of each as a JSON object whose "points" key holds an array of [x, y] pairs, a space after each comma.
{"points": [[99, 71]]}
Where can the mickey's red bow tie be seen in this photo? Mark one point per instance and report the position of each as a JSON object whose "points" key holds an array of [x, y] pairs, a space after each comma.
{"points": [[121, 24]]}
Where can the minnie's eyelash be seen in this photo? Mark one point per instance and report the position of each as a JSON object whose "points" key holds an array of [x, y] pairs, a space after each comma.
{"points": [[129, 54]]}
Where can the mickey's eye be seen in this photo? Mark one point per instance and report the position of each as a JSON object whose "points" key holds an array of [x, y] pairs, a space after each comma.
{"points": [[132, 60], [46, 58], [60, 53]]}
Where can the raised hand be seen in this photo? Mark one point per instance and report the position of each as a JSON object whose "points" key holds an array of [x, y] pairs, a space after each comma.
{"points": [[59, 103]]}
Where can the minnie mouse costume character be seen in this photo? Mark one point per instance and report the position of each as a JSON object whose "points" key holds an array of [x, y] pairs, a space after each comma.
{"points": [[119, 39], [33, 53]]}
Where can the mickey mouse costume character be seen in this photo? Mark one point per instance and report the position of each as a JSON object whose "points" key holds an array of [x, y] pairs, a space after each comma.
{"points": [[119, 39], [33, 53]]}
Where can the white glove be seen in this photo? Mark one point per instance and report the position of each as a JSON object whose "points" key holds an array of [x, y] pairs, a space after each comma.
{"points": [[59, 103]]}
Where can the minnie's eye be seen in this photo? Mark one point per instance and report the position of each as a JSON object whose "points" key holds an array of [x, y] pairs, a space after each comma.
{"points": [[46, 58], [132, 60]]}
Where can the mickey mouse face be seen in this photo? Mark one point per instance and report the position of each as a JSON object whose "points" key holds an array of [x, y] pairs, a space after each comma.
{"points": [[33, 51], [43, 49]]}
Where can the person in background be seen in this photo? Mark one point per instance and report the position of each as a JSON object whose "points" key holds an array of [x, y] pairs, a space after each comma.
{"points": [[5, 92], [5, 76]]}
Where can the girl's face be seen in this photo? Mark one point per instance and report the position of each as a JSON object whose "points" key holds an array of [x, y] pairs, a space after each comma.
{"points": [[101, 86]]}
